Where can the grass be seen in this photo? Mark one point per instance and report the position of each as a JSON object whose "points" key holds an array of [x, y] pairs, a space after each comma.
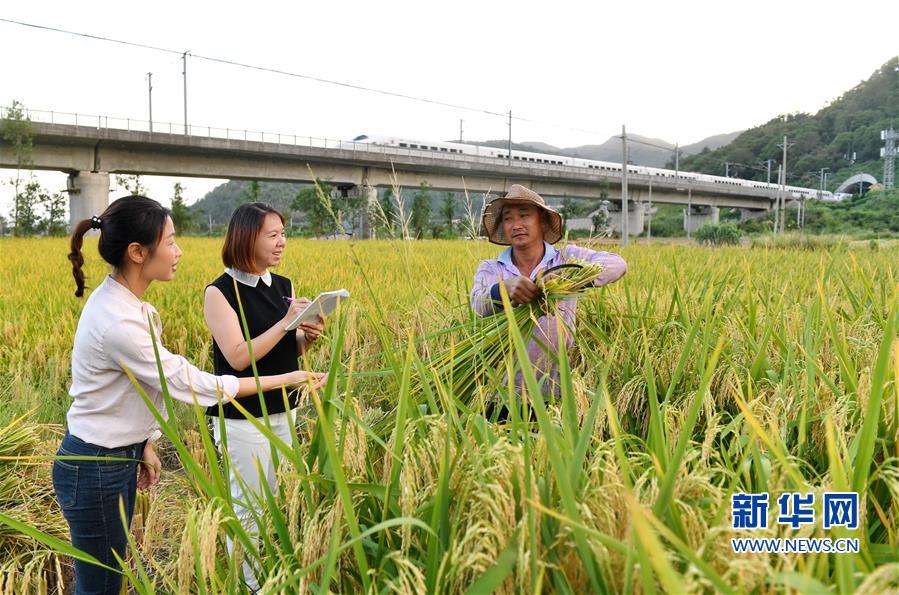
{"points": [[702, 373]]}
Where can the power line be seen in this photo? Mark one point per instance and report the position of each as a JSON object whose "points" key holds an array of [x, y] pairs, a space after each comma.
{"points": [[257, 67], [181, 54], [287, 73]]}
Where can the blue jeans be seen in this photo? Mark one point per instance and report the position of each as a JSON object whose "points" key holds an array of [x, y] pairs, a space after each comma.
{"points": [[88, 493]]}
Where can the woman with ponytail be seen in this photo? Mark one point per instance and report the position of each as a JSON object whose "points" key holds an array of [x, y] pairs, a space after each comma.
{"points": [[108, 421]]}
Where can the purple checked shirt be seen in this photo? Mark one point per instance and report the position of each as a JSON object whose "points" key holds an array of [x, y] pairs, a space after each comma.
{"points": [[485, 296]]}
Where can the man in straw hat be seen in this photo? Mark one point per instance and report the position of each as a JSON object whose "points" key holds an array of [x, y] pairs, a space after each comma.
{"points": [[522, 221]]}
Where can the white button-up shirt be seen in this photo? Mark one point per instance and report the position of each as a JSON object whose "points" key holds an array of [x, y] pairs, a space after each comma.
{"points": [[249, 278], [113, 334]]}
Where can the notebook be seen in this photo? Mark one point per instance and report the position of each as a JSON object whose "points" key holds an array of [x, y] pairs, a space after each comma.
{"points": [[323, 304]]}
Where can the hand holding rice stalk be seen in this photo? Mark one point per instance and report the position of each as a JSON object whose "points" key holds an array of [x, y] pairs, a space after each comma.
{"points": [[479, 356]]}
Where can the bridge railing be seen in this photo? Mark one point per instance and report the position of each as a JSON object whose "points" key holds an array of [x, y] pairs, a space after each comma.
{"points": [[196, 132]]}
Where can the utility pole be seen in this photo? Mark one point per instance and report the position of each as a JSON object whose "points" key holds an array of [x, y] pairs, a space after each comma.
{"points": [[777, 202], [689, 207], [150, 94], [184, 73], [783, 185], [624, 205], [510, 136], [769, 162], [649, 226], [460, 130], [888, 152], [823, 178], [783, 201], [727, 169], [676, 161]]}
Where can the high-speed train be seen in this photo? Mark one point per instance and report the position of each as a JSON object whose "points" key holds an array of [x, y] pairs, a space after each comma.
{"points": [[449, 148]]}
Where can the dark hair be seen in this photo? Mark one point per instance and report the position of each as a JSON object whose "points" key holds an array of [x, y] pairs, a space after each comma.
{"points": [[243, 229], [127, 220]]}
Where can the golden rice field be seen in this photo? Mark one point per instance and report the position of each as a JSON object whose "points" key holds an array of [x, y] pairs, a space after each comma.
{"points": [[703, 373]]}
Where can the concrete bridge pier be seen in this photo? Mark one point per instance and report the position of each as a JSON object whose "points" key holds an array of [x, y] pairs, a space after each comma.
{"points": [[635, 217], [695, 216], [88, 195], [369, 195]]}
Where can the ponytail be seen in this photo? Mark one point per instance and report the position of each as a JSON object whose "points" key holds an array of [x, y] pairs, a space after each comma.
{"points": [[126, 221], [76, 257]]}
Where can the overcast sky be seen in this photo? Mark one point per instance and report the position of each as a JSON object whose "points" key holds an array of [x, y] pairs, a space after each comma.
{"points": [[678, 71]]}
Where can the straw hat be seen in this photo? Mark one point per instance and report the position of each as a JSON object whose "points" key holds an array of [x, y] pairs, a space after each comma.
{"points": [[492, 225]]}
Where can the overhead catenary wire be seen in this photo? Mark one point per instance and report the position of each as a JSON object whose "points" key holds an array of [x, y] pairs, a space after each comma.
{"points": [[354, 86], [282, 72]]}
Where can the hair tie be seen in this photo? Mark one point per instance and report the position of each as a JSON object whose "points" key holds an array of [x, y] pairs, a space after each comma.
{"points": [[96, 222]]}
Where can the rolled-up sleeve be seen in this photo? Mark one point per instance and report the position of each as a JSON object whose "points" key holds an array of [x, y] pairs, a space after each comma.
{"points": [[484, 292], [130, 345], [613, 266]]}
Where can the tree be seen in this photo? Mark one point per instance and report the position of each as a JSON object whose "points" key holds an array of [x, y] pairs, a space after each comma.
{"points": [[315, 203], [386, 215], [604, 188], [350, 209], [15, 129], [251, 192], [447, 210], [600, 219], [27, 201], [569, 208], [718, 234], [182, 215], [54, 222], [421, 210], [131, 184]]}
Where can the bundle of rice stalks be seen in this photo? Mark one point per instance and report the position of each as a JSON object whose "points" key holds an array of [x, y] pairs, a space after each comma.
{"points": [[26, 494], [478, 358]]}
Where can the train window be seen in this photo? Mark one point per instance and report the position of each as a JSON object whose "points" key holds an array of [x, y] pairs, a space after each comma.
{"points": [[443, 149], [402, 144]]}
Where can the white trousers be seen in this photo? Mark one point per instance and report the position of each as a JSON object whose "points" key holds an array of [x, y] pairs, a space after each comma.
{"points": [[246, 446]]}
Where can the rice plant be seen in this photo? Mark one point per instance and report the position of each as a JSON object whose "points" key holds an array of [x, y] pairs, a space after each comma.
{"points": [[703, 373]]}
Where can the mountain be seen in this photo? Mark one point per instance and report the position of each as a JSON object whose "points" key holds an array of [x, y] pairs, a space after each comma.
{"points": [[652, 152], [844, 137], [711, 143], [221, 201]]}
